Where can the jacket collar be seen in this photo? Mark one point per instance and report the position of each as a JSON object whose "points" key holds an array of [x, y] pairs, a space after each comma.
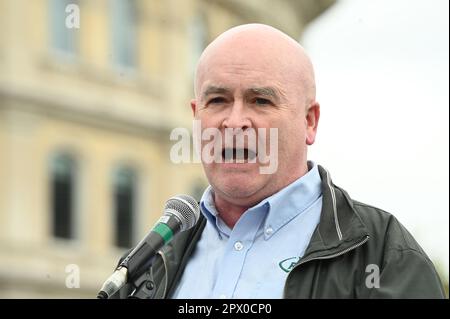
{"points": [[339, 229], [340, 226]]}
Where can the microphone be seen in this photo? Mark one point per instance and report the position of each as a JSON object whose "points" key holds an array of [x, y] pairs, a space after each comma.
{"points": [[181, 213]]}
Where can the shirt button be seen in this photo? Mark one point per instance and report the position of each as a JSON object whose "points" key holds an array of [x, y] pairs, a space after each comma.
{"points": [[238, 246], [222, 296], [269, 231]]}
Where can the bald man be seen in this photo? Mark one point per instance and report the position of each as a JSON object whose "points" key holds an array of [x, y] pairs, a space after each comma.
{"points": [[290, 233]]}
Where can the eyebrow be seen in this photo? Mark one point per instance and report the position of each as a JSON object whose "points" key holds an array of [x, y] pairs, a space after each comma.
{"points": [[262, 91], [214, 90]]}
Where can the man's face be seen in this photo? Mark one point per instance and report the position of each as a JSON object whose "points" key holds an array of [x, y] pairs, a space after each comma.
{"points": [[252, 91]]}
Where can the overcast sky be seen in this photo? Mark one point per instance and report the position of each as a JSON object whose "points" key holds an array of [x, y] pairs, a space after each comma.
{"points": [[382, 73]]}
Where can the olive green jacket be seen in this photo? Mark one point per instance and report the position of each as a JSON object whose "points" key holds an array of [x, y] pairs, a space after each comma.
{"points": [[356, 251]]}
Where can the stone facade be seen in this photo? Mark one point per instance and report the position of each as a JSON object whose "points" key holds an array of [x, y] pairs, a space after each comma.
{"points": [[106, 95]]}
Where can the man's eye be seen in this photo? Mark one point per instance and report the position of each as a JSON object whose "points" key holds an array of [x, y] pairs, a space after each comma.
{"points": [[261, 101], [217, 100]]}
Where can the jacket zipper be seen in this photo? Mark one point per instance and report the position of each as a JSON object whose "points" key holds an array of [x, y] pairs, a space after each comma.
{"points": [[328, 257], [333, 198]]}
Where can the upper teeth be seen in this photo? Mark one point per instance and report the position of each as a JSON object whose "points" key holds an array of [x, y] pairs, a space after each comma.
{"points": [[238, 154]]}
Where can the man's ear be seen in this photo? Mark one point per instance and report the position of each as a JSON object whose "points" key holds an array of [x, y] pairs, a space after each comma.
{"points": [[193, 106], [312, 121]]}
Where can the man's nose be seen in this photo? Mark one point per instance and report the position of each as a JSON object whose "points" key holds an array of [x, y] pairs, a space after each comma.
{"points": [[237, 117]]}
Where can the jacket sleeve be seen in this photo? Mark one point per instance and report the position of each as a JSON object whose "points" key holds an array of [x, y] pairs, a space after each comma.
{"points": [[407, 273]]}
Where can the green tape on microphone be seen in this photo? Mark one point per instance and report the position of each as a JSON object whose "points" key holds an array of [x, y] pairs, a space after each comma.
{"points": [[164, 231]]}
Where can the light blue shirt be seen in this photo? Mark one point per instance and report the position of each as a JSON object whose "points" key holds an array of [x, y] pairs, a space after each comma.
{"points": [[253, 259]]}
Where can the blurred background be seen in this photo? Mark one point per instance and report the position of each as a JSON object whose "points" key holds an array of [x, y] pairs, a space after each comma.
{"points": [[87, 107]]}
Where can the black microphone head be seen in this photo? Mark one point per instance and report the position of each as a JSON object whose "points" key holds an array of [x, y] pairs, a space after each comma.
{"points": [[185, 208]]}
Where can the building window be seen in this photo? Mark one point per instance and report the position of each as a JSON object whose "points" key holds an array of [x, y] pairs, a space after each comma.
{"points": [[198, 32], [123, 32], [63, 172], [197, 189], [124, 206], [63, 39]]}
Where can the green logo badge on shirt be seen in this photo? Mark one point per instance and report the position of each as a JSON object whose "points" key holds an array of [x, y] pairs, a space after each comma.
{"points": [[288, 263]]}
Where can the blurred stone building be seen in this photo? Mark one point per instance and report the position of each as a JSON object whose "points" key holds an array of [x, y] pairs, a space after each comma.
{"points": [[85, 120]]}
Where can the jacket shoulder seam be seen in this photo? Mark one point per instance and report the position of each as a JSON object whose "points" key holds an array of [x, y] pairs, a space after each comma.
{"points": [[400, 249], [356, 203], [392, 221], [418, 253]]}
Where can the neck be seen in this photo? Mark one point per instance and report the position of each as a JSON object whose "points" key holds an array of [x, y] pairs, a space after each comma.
{"points": [[228, 212]]}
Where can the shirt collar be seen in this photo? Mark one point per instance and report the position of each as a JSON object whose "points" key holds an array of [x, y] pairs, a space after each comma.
{"points": [[208, 209], [292, 200], [282, 206]]}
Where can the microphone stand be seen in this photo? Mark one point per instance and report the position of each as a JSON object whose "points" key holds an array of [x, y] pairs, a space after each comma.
{"points": [[144, 287]]}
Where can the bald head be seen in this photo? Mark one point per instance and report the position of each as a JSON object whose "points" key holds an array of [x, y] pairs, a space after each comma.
{"points": [[263, 47], [253, 78]]}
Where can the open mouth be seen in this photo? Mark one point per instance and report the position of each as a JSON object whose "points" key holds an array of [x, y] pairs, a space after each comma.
{"points": [[242, 155]]}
